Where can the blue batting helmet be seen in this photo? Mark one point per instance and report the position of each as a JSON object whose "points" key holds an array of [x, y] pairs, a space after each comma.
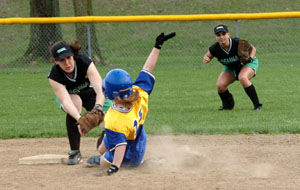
{"points": [[117, 83], [103, 85]]}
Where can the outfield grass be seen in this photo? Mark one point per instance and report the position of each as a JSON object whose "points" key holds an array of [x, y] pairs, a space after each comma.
{"points": [[184, 100]]}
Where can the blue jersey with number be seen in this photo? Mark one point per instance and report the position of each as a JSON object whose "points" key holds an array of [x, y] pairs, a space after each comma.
{"points": [[125, 126]]}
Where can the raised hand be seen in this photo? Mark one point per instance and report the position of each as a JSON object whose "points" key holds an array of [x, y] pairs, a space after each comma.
{"points": [[162, 38]]}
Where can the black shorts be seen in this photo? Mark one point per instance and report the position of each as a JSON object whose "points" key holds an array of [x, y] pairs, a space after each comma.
{"points": [[87, 96]]}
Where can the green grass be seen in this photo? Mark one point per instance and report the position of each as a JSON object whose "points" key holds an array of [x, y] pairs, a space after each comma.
{"points": [[191, 102], [184, 100]]}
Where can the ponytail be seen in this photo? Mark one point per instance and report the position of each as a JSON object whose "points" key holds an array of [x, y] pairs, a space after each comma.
{"points": [[75, 46]]}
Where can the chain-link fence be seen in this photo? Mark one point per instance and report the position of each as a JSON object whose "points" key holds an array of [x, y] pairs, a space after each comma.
{"points": [[276, 41]]}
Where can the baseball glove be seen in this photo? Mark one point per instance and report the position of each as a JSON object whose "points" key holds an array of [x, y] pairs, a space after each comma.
{"points": [[244, 50], [90, 120]]}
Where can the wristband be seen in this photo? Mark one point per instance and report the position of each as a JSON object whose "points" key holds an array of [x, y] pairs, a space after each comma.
{"points": [[98, 107], [158, 46], [112, 169], [250, 59]]}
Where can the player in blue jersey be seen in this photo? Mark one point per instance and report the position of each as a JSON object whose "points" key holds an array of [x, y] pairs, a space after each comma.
{"points": [[125, 139], [225, 50]]}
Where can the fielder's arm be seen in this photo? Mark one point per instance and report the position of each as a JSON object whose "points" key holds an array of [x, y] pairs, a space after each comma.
{"points": [[63, 96], [96, 82], [253, 52], [207, 57]]}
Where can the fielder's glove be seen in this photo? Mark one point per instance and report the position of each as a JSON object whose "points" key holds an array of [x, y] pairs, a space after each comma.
{"points": [[112, 169], [162, 38], [244, 50], [91, 119]]}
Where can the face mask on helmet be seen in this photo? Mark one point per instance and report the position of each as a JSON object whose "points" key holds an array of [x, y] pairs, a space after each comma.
{"points": [[117, 83]]}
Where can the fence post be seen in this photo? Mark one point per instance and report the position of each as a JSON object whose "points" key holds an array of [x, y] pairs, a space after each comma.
{"points": [[236, 28], [89, 40]]}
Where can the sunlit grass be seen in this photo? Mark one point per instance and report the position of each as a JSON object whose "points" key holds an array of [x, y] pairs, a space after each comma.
{"points": [[184, 100]]}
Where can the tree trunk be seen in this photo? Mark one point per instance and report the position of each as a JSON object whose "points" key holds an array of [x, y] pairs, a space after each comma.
{"points": [[43, 35], [84, 8]]}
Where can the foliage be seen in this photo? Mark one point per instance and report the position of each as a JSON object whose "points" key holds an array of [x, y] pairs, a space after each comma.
{"points": [[132, 39]]}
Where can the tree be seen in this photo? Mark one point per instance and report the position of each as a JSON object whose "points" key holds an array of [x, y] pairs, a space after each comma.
{"points": [[43, 35], [84, 8]]}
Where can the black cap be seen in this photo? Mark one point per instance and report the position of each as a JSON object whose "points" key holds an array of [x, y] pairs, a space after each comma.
{"points": [[60, 50], [221, 28]]}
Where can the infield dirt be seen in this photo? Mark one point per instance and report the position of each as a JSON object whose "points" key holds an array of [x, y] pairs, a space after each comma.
{"points": [[241, 162]]}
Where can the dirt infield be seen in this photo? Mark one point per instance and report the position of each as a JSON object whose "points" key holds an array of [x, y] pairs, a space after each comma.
{"points": [[241, 162]]}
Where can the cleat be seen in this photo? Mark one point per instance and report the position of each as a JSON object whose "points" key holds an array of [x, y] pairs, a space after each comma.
{"points": [[222, 108], [258, 107], [74, 157], [93, 161]]}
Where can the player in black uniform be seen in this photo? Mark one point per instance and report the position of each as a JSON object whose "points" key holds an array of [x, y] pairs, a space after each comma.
{"points": [[225, 50], [76, 82]]}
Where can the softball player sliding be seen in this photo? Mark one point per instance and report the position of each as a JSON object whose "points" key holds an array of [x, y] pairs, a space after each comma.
{"points": [[125, 140], [225, 50]]}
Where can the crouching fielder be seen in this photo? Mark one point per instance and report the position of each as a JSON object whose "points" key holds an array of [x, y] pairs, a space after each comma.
{"points": [[125, 138]]}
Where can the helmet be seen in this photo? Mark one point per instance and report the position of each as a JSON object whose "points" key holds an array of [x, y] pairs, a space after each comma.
{"points": [[117, 83], [103, 85]]}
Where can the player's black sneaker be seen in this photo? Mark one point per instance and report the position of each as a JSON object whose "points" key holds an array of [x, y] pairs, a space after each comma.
{"points": [[222, 108], [258, 107], [74, 157], [93, 161]]}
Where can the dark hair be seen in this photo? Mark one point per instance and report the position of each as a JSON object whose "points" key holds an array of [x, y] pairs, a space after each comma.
{"points": [[75, 46]]}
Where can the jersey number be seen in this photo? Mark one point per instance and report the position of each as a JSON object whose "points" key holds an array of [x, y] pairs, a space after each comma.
{"points": [[136, 123]]}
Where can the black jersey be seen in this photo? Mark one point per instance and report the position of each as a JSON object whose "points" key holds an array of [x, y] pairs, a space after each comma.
{"points": [[229, 58], [80, 80]]}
